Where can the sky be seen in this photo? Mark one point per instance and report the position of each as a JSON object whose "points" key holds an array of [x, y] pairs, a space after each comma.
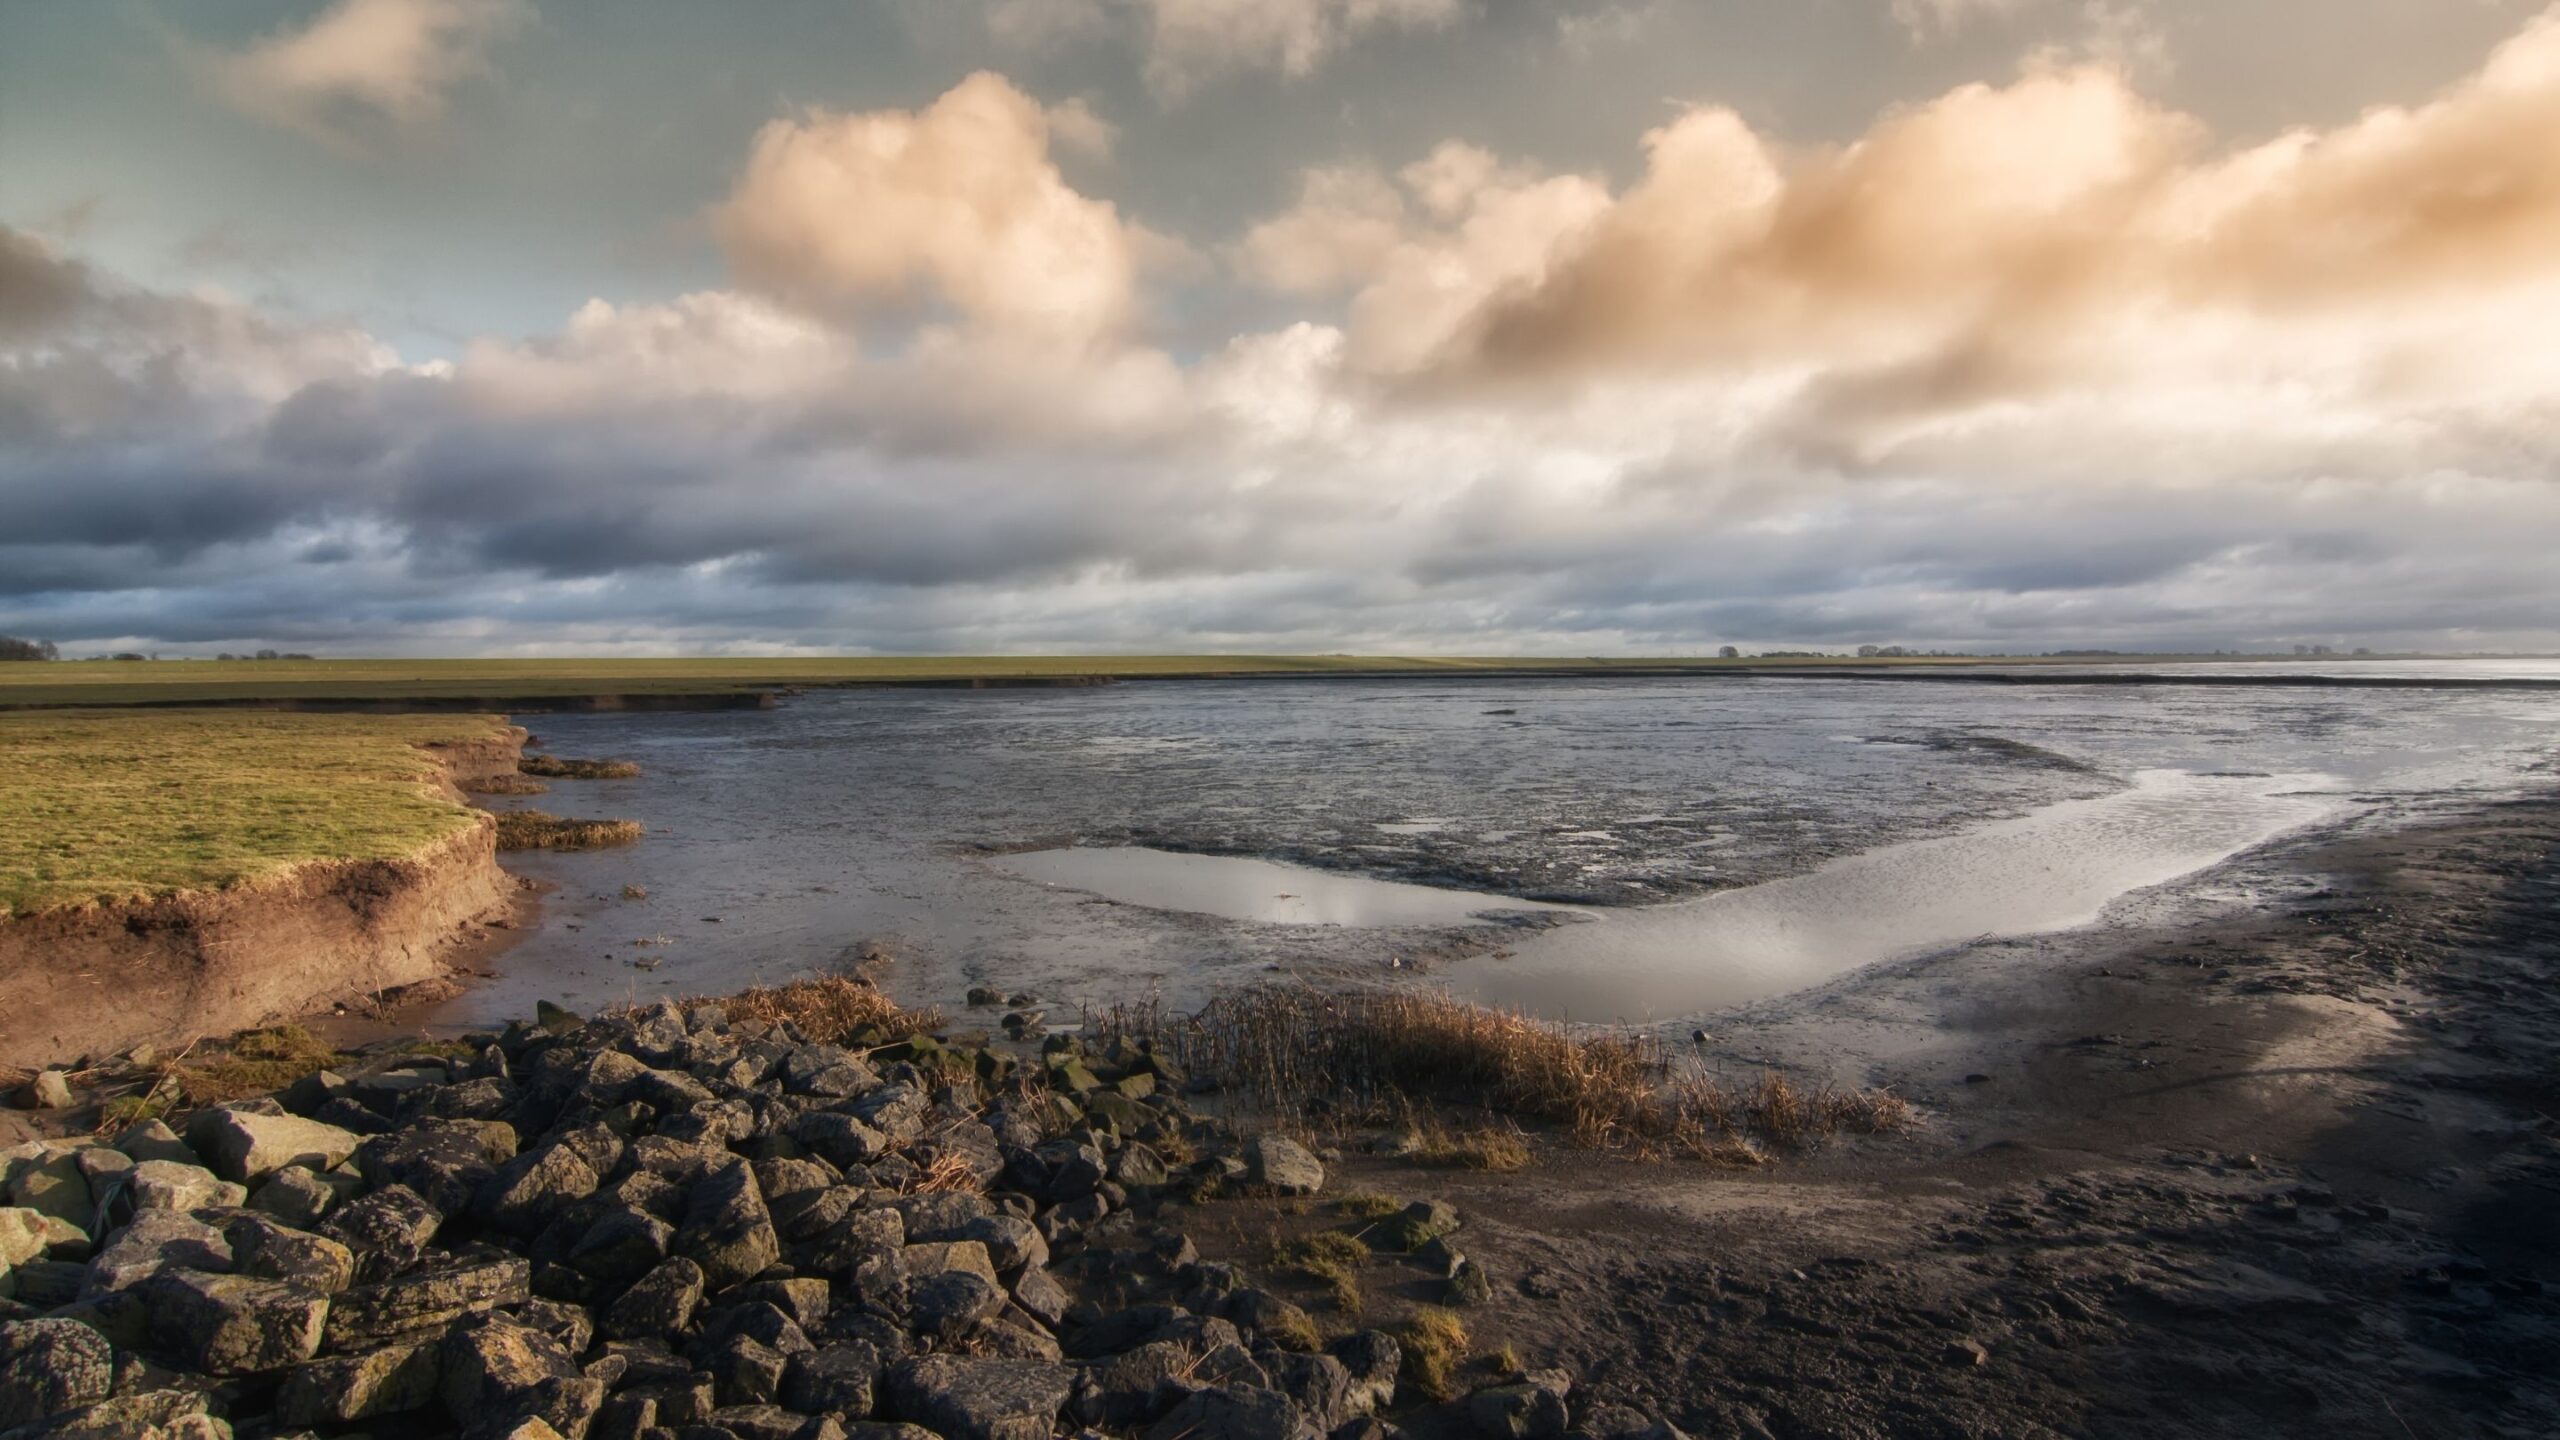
{"points": [[461, 327]]}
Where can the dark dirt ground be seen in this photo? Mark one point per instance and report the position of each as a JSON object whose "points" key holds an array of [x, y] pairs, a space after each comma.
{"points": [[2295, 1172]]}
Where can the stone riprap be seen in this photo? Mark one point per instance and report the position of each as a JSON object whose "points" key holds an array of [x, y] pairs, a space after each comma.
{"points": [[664, 1224]]}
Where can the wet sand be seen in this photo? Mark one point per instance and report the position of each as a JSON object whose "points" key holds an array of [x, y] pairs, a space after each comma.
{"points": [[2293, 1171]]}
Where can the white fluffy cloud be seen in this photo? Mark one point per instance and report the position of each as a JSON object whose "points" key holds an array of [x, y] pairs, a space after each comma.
{"points": [[957, 205], [390, 61]]}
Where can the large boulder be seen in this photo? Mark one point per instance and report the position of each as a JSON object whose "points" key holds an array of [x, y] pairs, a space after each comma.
{"points": [[391, 1380], [497, 1373], [168, 1185], [972, 1399], [662, 1302], [1532, 1408], [1282, 1165], [241, 1145], [157, 1240], [51, 1365], [388, 1230], [233, 1324], [838, 1380], [726, 1229], [1233, 1414], [430, 1299]]}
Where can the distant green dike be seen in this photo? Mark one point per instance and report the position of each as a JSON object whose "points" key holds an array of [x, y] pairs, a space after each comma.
{"points": [[747, 682]]}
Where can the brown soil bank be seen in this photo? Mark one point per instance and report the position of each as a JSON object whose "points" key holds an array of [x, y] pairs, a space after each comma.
{"points": [[102, 978]]}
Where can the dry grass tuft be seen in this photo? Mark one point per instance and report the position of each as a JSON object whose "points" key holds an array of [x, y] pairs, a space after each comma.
{"points": [[1361, 1205], [1435, 1343], [1501, 1148], [554, 767], [505, 785], [946, 1174], [535, 830], [1328, 1258], [1382, 1054], [829, 1010]]}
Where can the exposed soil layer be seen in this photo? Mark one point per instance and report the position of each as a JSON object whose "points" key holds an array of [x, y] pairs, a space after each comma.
{"points": [[2293, 1174], [97, 979]]}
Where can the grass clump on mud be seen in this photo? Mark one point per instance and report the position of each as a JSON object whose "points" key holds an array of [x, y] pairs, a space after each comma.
{"points": [[1411, 1057], [504, 785], [253, 1062], [1434, 1342], [830, 1010], [1328, 1258], [108, 806], [538, 830], [554, 767]]}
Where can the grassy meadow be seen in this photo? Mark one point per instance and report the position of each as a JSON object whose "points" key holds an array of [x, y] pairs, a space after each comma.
{"points": [[121, 805]]}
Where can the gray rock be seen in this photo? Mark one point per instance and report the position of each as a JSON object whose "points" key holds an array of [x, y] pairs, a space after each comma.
{"points": [[661, 1302], [392, 1380], [1282, 1164], [51, 1365], [146, 1415], [1011, 1242], [241, 1146], [1529, 1409], [388, 1230], [529, 1190], [772, 1422], [29, 1234], [109, 1173], [157, 1240], [749, 1371], [430, 1299], [727, 1230], [268, 1250], [50, 1182], [1135, 1386], [498, 1373], [1469, 1284], [844, 1140], [952, 1303], [154, 1140], [626, 1242], [299, 1197], [1319, 1385], [168, 1185], [1040, 1296], [1233, 1415], [1372, 1359], [841, 1380], [973, 1399], [444, 1162], [935, 1257], [50, 1090], [233, 1324]]}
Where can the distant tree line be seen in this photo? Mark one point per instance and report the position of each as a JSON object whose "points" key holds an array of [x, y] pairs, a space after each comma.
{"points": [[13, 648]]}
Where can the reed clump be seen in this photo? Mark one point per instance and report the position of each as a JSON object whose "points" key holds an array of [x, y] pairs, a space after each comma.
{"points": [[1408, 1056], [830, 1010], [555, 767], [504, 785], [538, 830]]}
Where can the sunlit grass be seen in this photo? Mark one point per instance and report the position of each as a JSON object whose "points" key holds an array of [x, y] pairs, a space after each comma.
{"points": [[125, 805]]}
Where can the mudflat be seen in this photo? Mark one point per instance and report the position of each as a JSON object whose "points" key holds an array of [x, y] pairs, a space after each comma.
{"points": [[2293, 1172]]}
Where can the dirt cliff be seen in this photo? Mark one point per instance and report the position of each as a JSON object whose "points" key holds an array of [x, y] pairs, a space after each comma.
{"points": [[95, 979]]}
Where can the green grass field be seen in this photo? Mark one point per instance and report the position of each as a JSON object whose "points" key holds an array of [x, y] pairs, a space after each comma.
{"points": [[178, 682], [118, 805]]}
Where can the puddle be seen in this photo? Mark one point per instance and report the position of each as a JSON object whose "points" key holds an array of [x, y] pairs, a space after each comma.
{"points": [[1263, 891], [2052, 870]]}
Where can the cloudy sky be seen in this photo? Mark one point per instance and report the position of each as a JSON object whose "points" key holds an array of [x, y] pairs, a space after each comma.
{"points": [[1490, 326]]}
